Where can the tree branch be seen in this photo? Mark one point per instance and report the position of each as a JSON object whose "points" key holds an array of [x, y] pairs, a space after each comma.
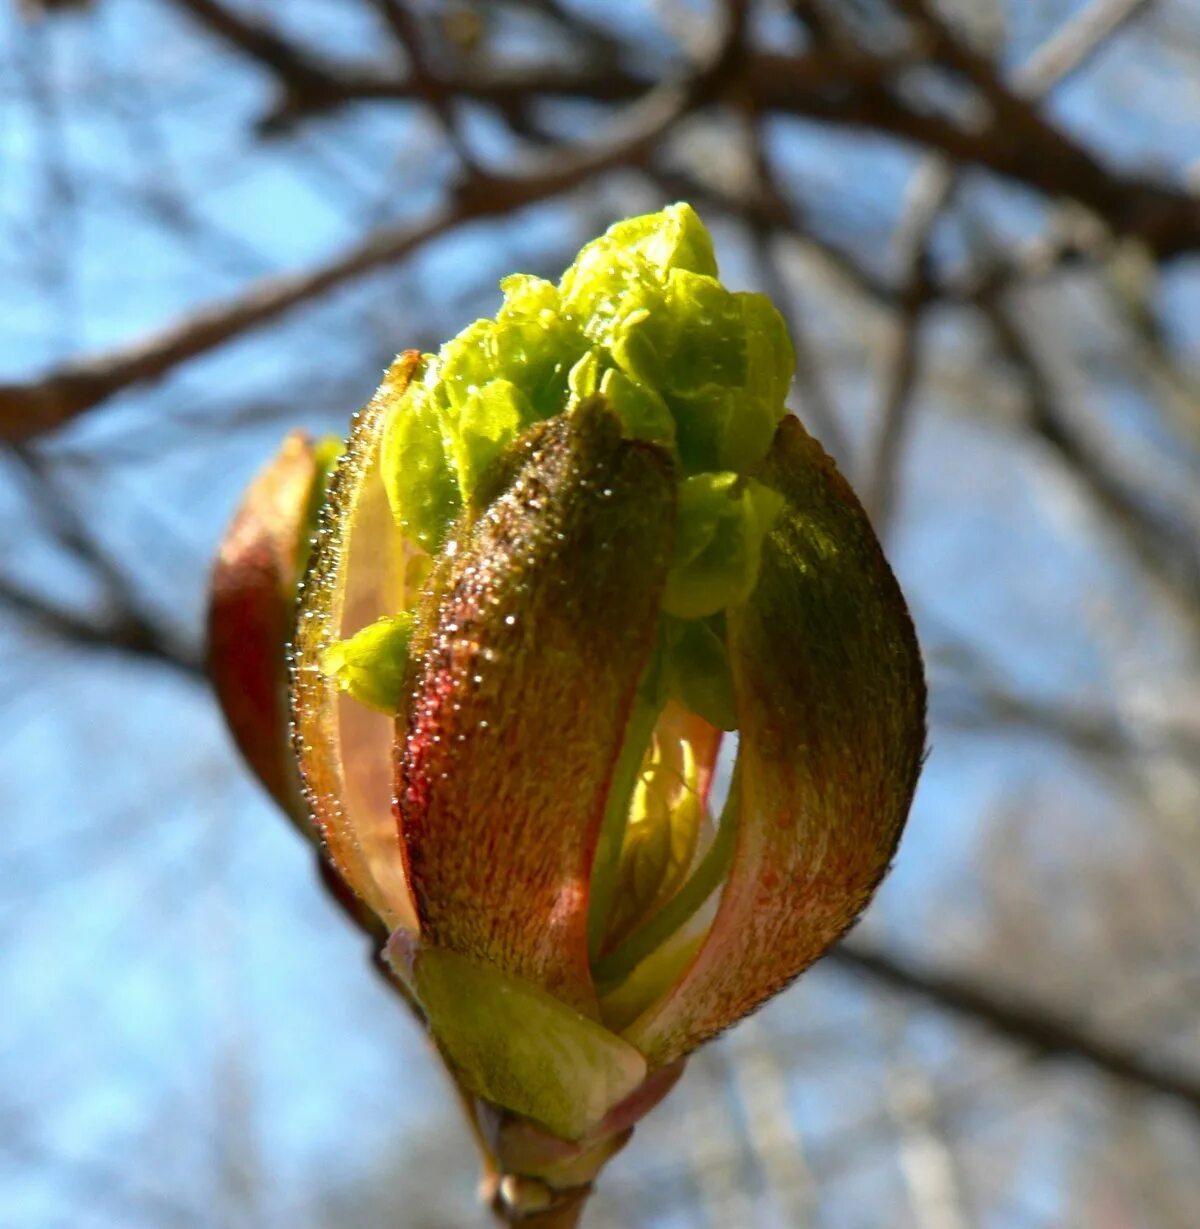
{"points": [[1039, 1029], [931, 191], [33, 408], [836, 82]]}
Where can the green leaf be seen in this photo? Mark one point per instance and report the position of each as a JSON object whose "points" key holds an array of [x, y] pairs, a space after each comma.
{"points": [[606, 865], [520, 1048], [709, 334], [371, 665], [658, 930], [673, 238], [660, 839], [696, 671], [526, 295], [466, 363], [420, 487], [489, 420], [770, 357], [639, 318], [534, 352], [722, 520], [643, 413]]}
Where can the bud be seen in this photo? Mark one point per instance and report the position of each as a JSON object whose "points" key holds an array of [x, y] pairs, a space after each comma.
{"points": [[561, 562], [252, 607]]}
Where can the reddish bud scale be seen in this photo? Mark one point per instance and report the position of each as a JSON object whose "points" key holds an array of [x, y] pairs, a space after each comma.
{"points": [[530, 642], [831, 708], [252, 611]]}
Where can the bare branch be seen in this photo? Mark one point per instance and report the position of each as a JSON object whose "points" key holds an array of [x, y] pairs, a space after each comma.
{"points": [[1075, 43], [297, 69], [1041, 1030], [1170, 561], [931, 191], [126, 632], [403, 24], [34, 408], [836, 83]]}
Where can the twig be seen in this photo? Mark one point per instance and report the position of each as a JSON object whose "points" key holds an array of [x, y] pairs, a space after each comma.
{"points": [[403, 24], [1075, 42], [128, 632], [1154, 546], [1040, 1029], [301, 72], [835, 82], [33, 408], [932, 189], [818, 408]]}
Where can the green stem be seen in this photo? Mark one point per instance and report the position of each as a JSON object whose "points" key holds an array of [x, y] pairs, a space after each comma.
{"points": [[646, 708], [623, 959]]}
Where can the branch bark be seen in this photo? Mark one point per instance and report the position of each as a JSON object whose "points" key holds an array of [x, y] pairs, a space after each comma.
{"points": [[33, 408]]}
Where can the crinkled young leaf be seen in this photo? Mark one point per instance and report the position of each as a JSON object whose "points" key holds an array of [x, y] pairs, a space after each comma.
{"points": [[486, 423], [831, 707], [723, 519], [696, 671], [417, 475], [643, 413], [674, 238], [531, 640]]}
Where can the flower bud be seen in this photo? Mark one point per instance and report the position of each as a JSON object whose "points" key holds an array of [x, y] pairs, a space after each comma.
{"points": [[252, 607], [562, 560]]}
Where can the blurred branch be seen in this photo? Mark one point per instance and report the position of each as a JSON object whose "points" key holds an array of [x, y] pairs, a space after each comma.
{"points": [[406, 29], [933, 189], [1039, 1029], [303, 74], [34, 408], [930, 192], [819, 409], [1067, 51], [597, 42], [125, 632], [1083, 728], [1167, 556], [831, 84], [925, 1156], [127, 627], [838, 82]]}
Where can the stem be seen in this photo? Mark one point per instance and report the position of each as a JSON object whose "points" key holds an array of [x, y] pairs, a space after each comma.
{"points": [[624, 958], [642, 720]]}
